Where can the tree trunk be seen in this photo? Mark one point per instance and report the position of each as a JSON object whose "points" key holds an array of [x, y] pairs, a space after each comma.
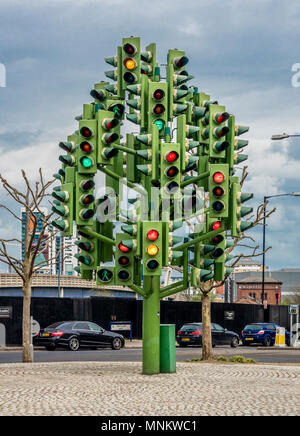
{"points": [[27, 358], [207, 353]]}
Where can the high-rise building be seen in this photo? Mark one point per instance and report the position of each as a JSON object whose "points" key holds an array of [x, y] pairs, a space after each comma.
{"points": [[66, 258], [45, 259]]}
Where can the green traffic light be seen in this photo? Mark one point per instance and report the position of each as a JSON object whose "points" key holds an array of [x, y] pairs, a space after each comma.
{"points": [[86, 162], [160, 124]]}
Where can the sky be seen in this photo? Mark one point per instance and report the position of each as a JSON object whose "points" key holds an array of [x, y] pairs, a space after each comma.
{"points": [[241, 53]]}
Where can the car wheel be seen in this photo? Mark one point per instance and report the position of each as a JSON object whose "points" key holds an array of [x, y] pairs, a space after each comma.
{"points": [[116, 344], [50, 347], [267, 341], [234, 342], [74, 344]]}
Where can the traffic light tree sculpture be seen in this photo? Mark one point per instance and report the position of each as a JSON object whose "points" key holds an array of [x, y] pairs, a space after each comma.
{"points": [[179, 179]]}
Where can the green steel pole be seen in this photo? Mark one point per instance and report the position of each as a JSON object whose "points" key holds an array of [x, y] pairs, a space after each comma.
{"points": [[200, 239], [151, 326], [194, 179]]}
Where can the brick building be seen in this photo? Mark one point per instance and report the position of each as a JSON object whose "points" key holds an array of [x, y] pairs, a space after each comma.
{"points": [[252, 287]]}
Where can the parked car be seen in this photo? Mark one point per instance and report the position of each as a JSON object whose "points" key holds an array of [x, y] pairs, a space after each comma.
{"points": [[76, 334], [262, 333], [191, 334]]}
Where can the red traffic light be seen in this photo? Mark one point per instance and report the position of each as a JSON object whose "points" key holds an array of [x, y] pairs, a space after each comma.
{"points": [[86, 132], [130, 49], [123, 248], [158, 94], [215, 225], [98, 94], [221, 131], [218, 177], [152, 235], [221, 117], [172, 156]]}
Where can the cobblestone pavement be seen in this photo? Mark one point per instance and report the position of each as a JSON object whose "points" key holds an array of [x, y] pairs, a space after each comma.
{"points": [[119, 388]]}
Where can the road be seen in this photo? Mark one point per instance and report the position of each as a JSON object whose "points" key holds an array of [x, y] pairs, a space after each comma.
{"points": [[271, 355]]}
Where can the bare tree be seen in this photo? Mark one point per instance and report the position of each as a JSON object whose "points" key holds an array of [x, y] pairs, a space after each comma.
{"points": [[36, 242], [207, 287]]}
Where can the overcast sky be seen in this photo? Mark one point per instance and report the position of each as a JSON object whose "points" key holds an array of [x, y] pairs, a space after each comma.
{"points": [[241, 53]]}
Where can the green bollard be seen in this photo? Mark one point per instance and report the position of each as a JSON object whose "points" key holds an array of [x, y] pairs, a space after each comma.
{"points": [[167, 348]]}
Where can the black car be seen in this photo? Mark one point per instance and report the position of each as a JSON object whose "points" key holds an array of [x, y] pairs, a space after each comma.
{"points": [[75, 334], [191, 334]]}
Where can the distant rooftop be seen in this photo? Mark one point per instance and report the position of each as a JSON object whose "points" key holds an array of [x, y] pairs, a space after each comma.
{"points": [[258, 280]]}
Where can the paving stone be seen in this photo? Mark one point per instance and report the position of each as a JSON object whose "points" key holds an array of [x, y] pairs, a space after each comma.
{"points": [[120, 389]]}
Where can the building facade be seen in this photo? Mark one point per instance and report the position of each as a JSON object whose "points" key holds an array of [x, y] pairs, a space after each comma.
{"points": [[57, 254], [252, 287]]}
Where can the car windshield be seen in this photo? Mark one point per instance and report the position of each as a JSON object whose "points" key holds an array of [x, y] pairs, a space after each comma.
{"points": [[254, 327], [186, 327]]}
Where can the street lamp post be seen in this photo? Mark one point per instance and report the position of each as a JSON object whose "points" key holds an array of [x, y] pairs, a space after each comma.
{"points": [[282, 136], [293, 194]]}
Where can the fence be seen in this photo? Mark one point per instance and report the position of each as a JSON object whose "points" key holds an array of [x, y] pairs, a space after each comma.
{"points": [[103, 310]]}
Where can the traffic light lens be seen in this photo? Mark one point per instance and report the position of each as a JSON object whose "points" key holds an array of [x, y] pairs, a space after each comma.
{"points": [[172, 172], [221, 118], [160, 123], [218, 177], [172, 187], [112, 123], [217, 239], [123, 248], [86, 162], [218, 191], [98, 95], [158, 94], [123, 275], [129, 64], [86, 132], [110, 138], [86, 147], [129, 49], [123, 261], [86, 214], [218, 206], [117, 109], [152, 235], [217, 252], [152, 250], [86, 185], [105, 275], [159, 109], [216, 225], [87, 199], [172, 156], [152, 264], [129, 77]]}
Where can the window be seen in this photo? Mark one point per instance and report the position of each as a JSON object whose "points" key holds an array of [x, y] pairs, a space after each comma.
{"points": [[217, 327], [253, 327], [271, 327], [95, 327], [81, 326]]}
